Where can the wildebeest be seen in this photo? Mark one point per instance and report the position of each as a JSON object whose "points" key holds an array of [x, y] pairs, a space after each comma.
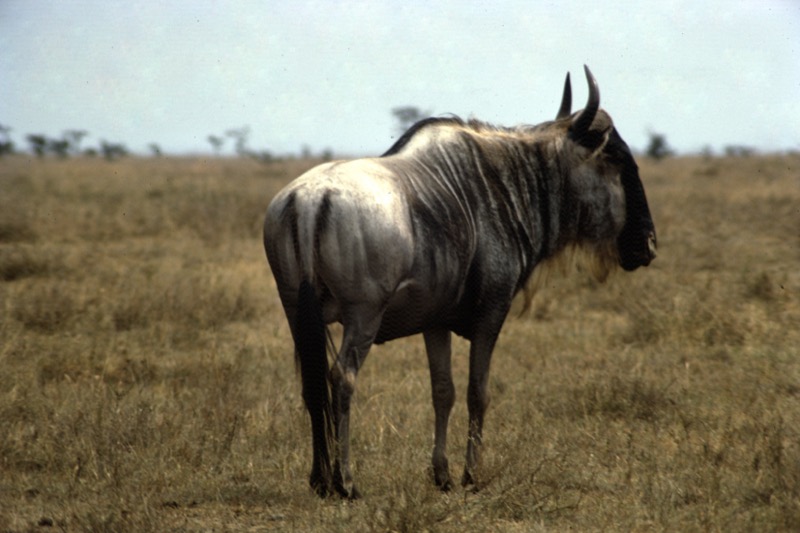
{"points": [[437, 236]]}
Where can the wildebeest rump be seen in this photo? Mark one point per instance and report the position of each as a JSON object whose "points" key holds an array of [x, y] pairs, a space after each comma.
{"points": [[437, 236]]}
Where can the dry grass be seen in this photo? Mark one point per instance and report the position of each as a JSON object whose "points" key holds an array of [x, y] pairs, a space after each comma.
{"points": [[147, 379]]}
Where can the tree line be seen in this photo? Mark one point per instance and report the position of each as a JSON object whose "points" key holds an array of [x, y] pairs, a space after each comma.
{"points": [[70, 143]]}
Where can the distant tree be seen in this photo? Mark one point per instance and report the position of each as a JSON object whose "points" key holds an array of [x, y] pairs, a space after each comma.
{"points": [[264, 156], [38, 144], [240, 137], [155, 150], [112, 151], [658, 147], [6, 144], [216, 143], [73, 139], [406, 116], [738, 150], [6, 148], [59, 147]]}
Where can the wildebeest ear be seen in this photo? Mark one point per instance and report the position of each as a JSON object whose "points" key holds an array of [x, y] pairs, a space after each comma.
{"points": [[598, 134], [581, 130]]}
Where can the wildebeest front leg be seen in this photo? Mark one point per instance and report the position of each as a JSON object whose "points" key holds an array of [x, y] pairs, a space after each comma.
{"points": [[480, 356], [437, 345]]}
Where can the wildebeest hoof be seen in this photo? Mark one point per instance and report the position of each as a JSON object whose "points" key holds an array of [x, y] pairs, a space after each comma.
{"points": [[320, 485], [468, 482], [351, 493], [443, 481], [445, 485]]}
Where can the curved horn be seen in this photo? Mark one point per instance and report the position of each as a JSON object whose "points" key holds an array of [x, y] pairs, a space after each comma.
{"points": [[566, 100], [585, 118]]}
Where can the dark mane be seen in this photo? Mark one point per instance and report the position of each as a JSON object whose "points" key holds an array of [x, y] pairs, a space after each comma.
{"points": [[410, 132], [474, 125]]}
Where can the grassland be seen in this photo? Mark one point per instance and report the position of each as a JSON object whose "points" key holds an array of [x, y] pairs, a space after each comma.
{"points": [[147, 380]]}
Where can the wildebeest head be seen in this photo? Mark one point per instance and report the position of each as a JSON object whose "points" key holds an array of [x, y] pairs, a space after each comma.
{"points": [[606, 180]]}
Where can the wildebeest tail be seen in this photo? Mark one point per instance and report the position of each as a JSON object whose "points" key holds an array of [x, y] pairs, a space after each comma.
{"points": [[311, 357]]}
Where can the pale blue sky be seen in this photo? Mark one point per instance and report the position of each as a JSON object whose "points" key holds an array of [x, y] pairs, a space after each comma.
{"points": [[327, 73]]}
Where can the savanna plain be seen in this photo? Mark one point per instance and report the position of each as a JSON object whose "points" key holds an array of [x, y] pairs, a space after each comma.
{"points": [[147, 380]]}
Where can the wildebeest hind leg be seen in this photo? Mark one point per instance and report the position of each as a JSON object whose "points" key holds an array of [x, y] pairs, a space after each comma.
{"points": [[360, 327]]}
